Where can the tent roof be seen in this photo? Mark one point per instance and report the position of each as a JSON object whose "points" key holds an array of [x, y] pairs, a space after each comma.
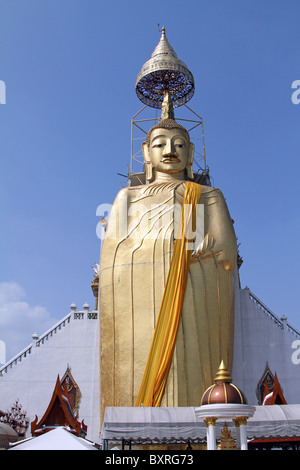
{"points": [[274, 421], [6, 430], [56, 439], [181, 425], [157, 424], [7, 434]]}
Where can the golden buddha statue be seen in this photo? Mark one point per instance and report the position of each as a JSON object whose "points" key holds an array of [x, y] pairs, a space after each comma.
{"points": [[135, 261]]}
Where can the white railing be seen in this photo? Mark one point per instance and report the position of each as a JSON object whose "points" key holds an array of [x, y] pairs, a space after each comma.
{"points": [[52, 331], [281, 322], [25, 352], [38, 341]]}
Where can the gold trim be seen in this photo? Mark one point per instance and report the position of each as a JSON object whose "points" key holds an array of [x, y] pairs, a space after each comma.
{"points": [[240, 421], [225, 392], [210, 421], [210, 392], [239, 392]]}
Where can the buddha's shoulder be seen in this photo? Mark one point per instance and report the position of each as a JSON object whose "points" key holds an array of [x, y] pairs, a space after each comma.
{"points": [[210, 196], [131, 191], [210, 191]]}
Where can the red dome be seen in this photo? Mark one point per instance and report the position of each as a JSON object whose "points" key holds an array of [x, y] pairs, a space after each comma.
{"points": [[223, 390], [223, 393]]}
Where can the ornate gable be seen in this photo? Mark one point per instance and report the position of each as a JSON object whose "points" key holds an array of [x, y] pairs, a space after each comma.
{"points": [[268, 390], [68, 384], [58, 413], [275, 397], [267, 380]]}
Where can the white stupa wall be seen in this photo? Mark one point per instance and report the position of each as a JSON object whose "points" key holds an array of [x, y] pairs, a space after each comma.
{"points": [[260, 338], [32, 379]]}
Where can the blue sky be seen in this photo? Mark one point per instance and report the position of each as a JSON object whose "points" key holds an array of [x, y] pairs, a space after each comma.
{"points": [[70, 67]]}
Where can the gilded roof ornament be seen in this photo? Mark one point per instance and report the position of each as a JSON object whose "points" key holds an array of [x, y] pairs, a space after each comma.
{"points": [[163, 47], [223, 375]]}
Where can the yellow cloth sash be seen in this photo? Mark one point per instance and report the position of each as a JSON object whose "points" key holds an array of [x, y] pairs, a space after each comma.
{"points": [[165, 333]]}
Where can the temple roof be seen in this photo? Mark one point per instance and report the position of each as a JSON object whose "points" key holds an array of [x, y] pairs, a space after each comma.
{"points": [[275, 397], [58, 413]]}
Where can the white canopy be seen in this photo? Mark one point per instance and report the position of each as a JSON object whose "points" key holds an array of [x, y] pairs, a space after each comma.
{"points": [[155, 424], [56, 439], [7, 434], [273, 421], [181, 425]]}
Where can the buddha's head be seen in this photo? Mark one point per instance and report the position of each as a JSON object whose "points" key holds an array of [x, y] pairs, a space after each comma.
{"points": [[168, 151]]}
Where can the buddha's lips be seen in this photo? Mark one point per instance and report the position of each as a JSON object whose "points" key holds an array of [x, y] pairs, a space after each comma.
{"points": [[170, 159]]}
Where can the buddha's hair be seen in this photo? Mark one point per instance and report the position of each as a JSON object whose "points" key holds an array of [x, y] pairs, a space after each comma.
{"points": [[166, 124]]}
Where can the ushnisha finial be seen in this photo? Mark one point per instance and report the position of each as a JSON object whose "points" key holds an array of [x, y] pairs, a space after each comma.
{"points": [[167, 110], [223, 374]]}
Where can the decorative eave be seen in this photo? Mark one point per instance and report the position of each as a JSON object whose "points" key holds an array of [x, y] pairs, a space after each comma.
{"points": [[58, 413]]}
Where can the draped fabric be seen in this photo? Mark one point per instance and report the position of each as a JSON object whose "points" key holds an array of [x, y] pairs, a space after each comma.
{"points": [[165, 333]]}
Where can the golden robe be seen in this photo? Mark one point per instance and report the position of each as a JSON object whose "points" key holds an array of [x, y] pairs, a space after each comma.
{"points": [[135, 260]]}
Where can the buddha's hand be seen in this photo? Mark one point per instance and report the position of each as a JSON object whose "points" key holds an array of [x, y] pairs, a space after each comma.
{"points": [[204, 249]]}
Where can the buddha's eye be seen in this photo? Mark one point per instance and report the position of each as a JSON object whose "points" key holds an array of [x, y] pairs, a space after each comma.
{"points": [[180, 145], [158, 145]]}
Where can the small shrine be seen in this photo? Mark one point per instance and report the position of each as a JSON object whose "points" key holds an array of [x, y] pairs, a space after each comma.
{"points": [[59, 414], [222, 401], [227, 441]]}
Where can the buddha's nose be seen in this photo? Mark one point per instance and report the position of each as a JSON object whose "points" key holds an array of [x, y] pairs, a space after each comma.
{"points": [[169, 148]]}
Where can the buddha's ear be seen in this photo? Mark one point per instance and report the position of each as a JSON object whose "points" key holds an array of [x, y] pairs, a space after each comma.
{"points": [[148, 163], [189, 166]]}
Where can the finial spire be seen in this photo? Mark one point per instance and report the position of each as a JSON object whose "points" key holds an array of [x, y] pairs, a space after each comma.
{"points": [[223, 374], [164, 47], [167, 110]]}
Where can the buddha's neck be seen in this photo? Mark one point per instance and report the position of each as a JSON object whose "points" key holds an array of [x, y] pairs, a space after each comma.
{"points": [[169, 178]]}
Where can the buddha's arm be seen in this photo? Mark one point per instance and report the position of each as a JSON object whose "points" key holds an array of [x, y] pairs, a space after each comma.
{"points": [[117, 223], [220, 238]]}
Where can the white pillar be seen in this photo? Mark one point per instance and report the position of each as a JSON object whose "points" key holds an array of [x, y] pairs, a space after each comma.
{"points": [[241, 432], [238, 434], [210, 433]]}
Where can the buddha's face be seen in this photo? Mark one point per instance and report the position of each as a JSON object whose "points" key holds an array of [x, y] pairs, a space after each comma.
{"points": [[169, 150]]}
